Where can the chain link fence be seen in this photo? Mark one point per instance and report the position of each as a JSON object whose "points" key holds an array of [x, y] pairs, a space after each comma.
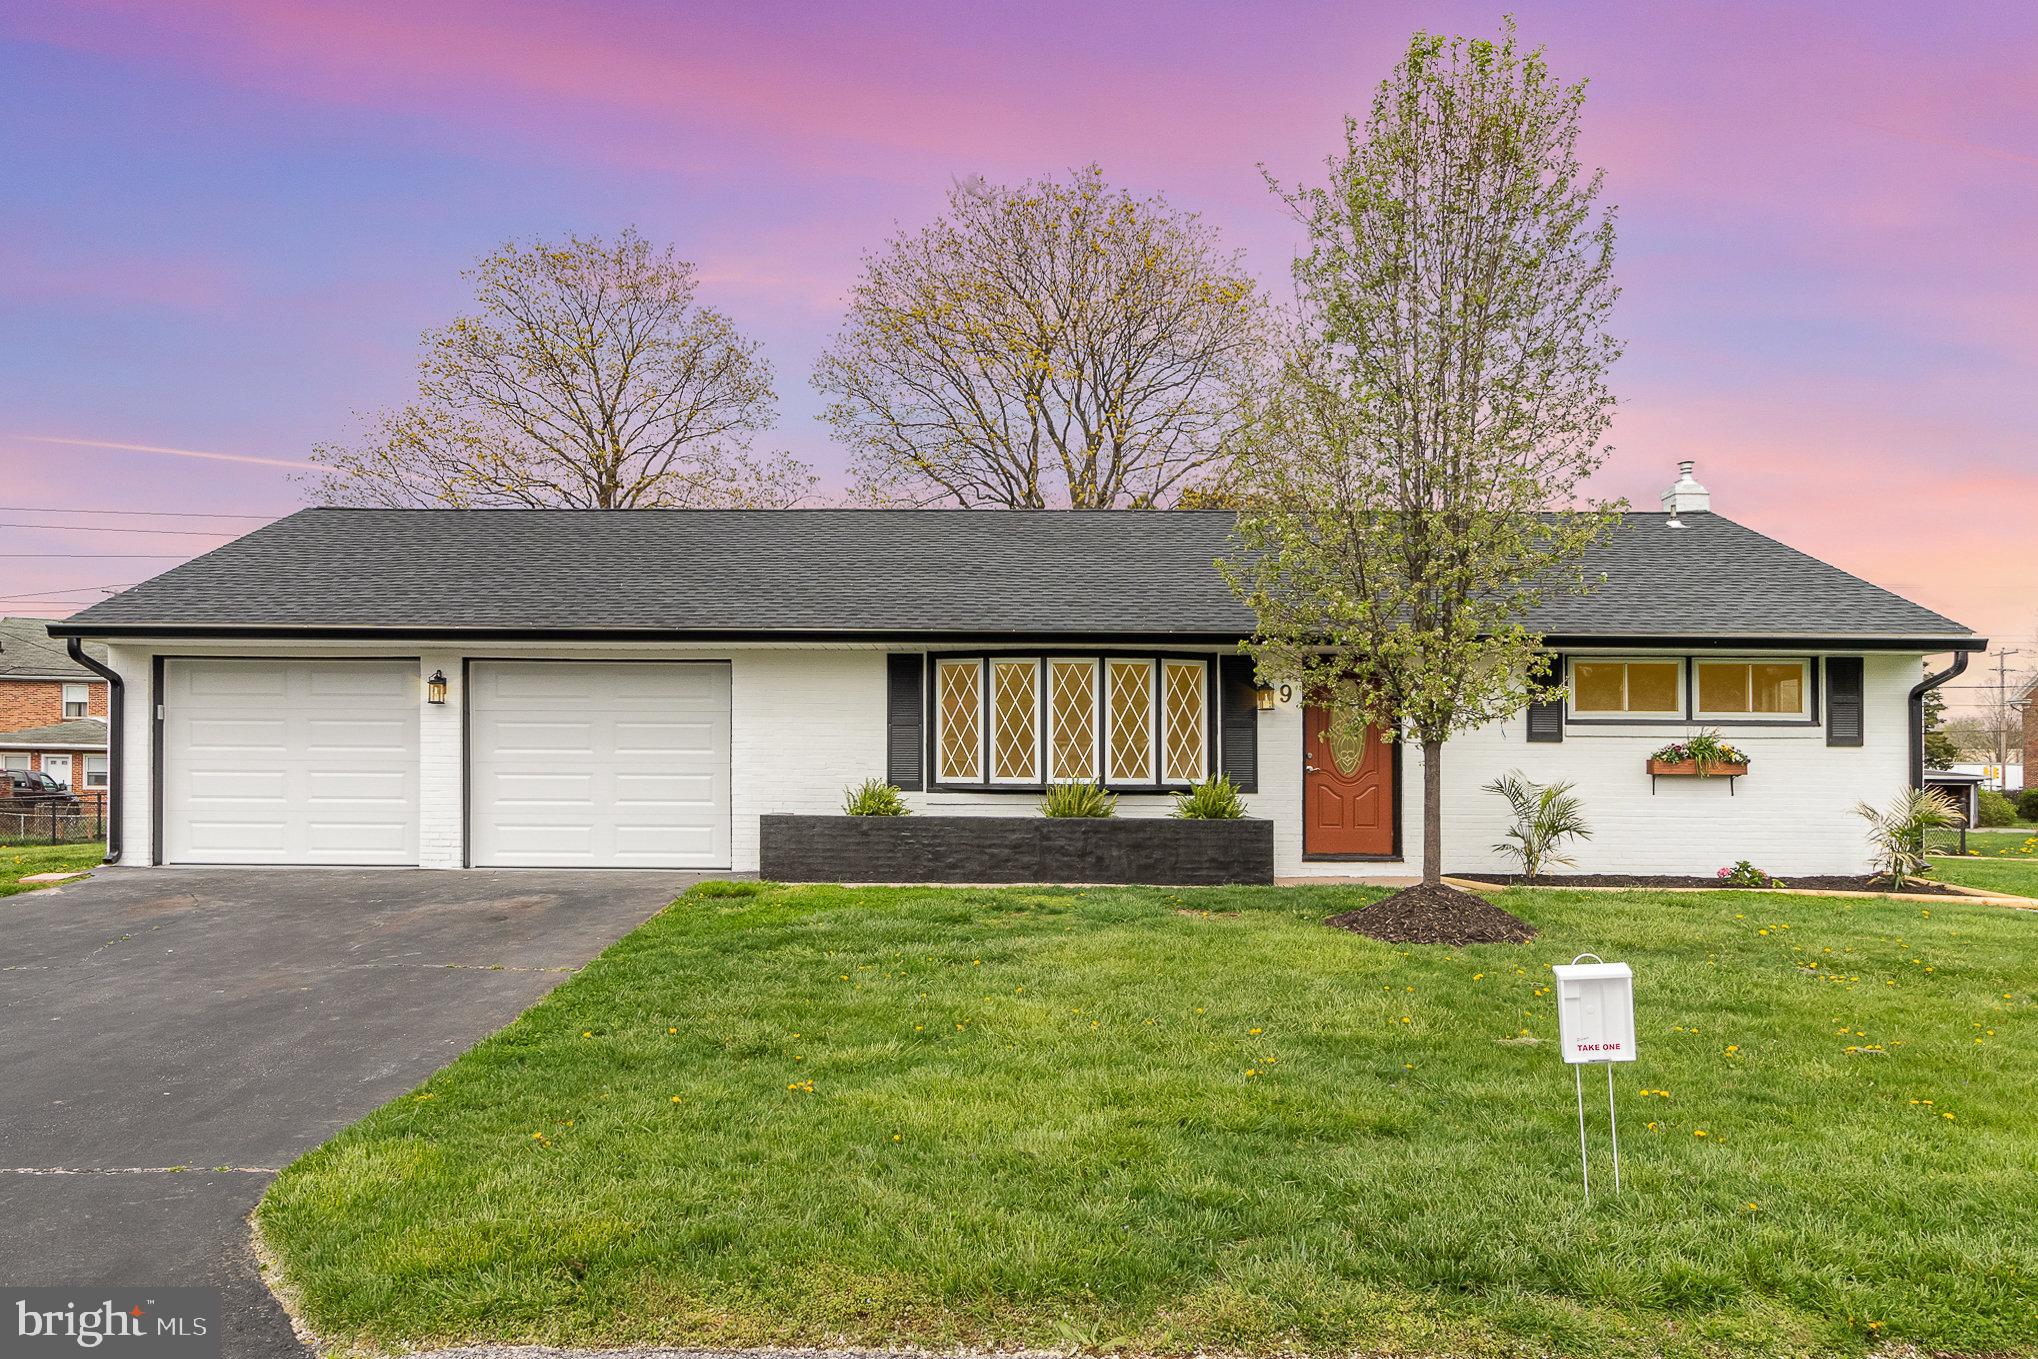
{"points": [[53, 821]]}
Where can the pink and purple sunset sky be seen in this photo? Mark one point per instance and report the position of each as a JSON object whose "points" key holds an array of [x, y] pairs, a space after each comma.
{"points": [[227, 222]]}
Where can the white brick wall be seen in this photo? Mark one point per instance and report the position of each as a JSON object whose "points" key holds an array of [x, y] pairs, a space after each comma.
{"points": [[807, 721], [1790, 814]]}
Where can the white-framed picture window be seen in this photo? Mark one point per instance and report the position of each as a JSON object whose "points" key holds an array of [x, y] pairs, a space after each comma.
{"points": [[1074, 711], [1129, 720], [1627, 686], [959, 720], [77, 700], [1185, 727], [95, 771], [1015, 720], [14, 760], [1756, 688]]}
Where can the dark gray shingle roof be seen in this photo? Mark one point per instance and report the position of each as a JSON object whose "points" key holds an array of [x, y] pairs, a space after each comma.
{"points": [[900, 572], [28, 650], [78, 732]]}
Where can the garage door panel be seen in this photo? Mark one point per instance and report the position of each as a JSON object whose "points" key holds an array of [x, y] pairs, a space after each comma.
{"points": [[358, 736], [232, 679], [336, 838], [253, 785], [290, 761], [360, 682], [386, 786], [593, 763], [557, 739], [249, 734], [235, 841]]}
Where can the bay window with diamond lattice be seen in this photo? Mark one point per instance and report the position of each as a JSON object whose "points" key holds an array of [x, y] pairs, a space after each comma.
{"points": [[1071, 719], [1015, 721], [1028, 721], [1184, 712], [959, 713]]}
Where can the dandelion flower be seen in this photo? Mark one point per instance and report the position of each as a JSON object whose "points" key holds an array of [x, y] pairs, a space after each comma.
{"points": [[675, 1099], [1700, 1132]]}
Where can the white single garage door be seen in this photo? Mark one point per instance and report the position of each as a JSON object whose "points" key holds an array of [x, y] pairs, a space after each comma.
{"points": [[602, 764], [290, 762]]}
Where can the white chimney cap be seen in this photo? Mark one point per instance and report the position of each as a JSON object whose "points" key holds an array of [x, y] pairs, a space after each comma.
{"points": [[1687, 496]]}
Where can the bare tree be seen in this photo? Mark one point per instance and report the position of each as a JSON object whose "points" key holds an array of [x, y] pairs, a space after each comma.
{"points": [[1045, 344], [588, 378]]}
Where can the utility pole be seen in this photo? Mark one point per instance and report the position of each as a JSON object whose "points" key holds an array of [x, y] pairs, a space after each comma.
{"points": [[2000, 717]]}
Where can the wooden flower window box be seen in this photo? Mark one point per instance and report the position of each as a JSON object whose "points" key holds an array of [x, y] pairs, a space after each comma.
{"points": [[1688, 769]]}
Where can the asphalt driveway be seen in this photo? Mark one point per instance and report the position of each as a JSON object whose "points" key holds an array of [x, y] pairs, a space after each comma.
{"points": [[170, 1038]]}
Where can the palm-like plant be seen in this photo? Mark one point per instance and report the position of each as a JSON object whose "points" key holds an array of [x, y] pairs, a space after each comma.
{"points": [[1544, 818], [1897, 832]]}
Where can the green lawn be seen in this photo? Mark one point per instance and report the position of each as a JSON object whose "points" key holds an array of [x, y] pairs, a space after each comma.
{"points": [[1999, 860], [17, 862], [1169, 1121]]}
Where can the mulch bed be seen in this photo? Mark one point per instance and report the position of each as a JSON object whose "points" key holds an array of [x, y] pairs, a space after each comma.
{"points": [[1435, 914], [1829, 882]]}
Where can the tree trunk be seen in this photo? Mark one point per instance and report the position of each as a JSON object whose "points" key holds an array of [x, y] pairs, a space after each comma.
{"points": [[1432, 812]]}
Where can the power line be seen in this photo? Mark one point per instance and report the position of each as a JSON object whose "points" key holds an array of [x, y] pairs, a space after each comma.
{"points": [[69, 590], [100, 528], [159, 514]]}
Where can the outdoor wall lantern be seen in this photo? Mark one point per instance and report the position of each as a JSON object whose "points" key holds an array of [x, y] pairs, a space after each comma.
{"points": [[435, 687], [1263, 698]]}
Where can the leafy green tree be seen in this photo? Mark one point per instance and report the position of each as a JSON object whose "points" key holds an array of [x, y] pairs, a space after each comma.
{"points": [[1414, 479], [588, 377], [1044, 344], [1942, 751]]}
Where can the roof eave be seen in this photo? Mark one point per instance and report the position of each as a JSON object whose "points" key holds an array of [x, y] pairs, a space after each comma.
{"points": [[1926, 643]]}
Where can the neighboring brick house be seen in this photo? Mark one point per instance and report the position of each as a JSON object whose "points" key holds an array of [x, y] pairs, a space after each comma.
{"points": [[52, 710]]}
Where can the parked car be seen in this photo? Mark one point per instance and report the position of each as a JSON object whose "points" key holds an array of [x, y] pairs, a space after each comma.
{"points": [[24, 785]]}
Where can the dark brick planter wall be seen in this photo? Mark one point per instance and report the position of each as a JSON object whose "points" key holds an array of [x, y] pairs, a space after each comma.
{"points": [[1162, 851]]}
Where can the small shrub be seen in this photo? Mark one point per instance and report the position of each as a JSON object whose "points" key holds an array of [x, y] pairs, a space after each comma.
{"points": [[1544, 818], [1078, 798], [1898, 831], [874, 797], [1214, 799], [1745, 874], [2027, 804], [1993, 809]]}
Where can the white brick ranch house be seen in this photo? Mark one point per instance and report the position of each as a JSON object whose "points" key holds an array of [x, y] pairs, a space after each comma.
{"points": [[581, 688]]}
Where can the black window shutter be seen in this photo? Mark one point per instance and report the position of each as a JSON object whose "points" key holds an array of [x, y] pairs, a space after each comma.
{"points": [[1843, 701], [1238, 722], [904, 677], [1546, 720]]}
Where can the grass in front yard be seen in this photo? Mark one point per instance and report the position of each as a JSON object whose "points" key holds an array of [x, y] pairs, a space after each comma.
{"points": [[2000, 860], [18, 862], [1181, 1120]]}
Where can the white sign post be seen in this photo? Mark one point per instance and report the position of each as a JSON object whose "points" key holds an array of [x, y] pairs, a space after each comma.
{"points": [[1595, 1023]]}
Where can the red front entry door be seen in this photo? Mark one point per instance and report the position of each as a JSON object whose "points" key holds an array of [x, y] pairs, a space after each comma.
{"points": [[1347, 791]]}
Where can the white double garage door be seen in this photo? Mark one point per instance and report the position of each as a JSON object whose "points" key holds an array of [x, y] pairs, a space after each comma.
{"points": [[621, 764]]}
